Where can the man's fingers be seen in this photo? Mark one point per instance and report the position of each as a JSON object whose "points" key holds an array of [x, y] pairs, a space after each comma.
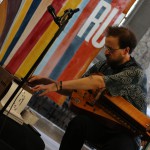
{"points": [[37, 88], [40, 87], [32, 79]]}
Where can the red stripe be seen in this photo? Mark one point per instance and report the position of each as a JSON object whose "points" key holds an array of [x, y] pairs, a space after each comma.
{"points": [[33, 38], [84, 53]]}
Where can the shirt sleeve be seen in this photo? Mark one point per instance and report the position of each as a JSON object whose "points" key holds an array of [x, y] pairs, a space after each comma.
{"points": [[120, 83]]}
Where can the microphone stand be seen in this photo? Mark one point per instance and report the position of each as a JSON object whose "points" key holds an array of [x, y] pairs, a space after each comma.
{"points": [[61, 22]]}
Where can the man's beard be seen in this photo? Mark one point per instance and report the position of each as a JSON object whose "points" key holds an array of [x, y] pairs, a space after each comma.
{"points": [[113, 63]]}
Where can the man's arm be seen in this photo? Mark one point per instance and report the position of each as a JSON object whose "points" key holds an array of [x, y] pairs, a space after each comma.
{"points": [[87, 83]]}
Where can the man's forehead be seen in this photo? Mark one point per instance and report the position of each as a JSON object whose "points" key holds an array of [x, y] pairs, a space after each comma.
{"points": [[112, 40]]}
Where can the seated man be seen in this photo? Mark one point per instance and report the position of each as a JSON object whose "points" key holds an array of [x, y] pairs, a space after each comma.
{"points": [[122, 76]]}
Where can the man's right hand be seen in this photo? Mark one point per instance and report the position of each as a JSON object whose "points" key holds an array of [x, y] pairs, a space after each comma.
{"points": [[35, 80]]}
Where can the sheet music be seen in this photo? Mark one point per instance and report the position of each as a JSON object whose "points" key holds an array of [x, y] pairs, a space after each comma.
{"points": [[18, 104]]}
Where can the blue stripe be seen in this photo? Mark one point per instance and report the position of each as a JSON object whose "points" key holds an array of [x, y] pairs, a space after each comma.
{"points": [[61, 65]]}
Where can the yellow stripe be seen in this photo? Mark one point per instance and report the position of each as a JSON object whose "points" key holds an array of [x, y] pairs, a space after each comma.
{"points": [[16, 26], [33, 21], [44, 40], [3, 14]]}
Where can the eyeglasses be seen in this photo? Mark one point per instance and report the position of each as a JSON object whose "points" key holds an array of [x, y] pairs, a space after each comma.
{"points": [[110, 49]]}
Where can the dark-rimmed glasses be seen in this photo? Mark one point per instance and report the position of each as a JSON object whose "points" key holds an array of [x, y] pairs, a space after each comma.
{"points": [[110, 49]]}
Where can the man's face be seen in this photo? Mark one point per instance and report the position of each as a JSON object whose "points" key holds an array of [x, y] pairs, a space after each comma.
{"points": [[114, 54]]}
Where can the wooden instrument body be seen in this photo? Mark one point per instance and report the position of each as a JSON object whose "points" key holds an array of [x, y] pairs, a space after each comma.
{"points": [[114, 108], [86, 100]]}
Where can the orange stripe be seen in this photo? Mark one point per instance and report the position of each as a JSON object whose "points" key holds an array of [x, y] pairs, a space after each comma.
{"points": [[3, 14], [130, 3]]}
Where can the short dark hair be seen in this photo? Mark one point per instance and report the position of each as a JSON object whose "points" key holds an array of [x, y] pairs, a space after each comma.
{"points": [[126, 36]]}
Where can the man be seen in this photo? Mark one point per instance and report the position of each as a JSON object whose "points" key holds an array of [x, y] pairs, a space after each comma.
{"points": [[122, 76]]}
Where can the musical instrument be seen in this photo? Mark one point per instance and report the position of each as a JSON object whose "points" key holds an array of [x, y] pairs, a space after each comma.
{"points": [[114, 108], [8, 84], [5, 81]]}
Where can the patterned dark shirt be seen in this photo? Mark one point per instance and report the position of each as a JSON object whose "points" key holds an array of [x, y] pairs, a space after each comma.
{"points": [[127, 80]]}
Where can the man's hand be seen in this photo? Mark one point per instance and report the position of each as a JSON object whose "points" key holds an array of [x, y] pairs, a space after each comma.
{"points": [[45, 88], [36, 80]]}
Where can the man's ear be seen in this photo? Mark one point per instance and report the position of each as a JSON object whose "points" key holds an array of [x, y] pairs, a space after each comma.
{"points": [[127, 50]]}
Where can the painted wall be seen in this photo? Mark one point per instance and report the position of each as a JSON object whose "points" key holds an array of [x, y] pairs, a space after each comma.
{"points": [[26, 28]]}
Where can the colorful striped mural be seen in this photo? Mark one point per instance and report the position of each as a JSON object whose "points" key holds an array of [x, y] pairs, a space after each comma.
{"points": [[31, 27]]}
